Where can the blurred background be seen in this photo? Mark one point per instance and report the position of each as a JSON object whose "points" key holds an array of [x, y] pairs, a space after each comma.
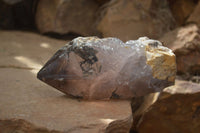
{"points": [[173, 22], [125, 19], [31, 31]]}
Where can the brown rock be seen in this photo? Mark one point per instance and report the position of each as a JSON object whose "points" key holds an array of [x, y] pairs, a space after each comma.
{"points": [[101, 2], [181, 9], [185, 42], [194, 17], [21, 126], [64, 16], [174, 113], [178, 105], [130, 124], [128, 19], [183, 87], [119, 126]]}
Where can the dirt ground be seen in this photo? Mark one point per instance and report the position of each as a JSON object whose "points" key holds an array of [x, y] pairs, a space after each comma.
{"points": [[23, 96]]}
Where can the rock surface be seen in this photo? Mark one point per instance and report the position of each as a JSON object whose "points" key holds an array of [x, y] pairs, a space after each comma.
{"points": [[64, 16], [102, 1], [175, 113], [194, 17], [23, 96], [131, 19], [181, 9], [93, 68], [130, 124], [119, 126], [185, 42], [21, 126], [177, 110]]}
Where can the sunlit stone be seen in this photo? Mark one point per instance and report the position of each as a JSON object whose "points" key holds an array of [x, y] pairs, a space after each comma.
{"points": [[93, 68]]}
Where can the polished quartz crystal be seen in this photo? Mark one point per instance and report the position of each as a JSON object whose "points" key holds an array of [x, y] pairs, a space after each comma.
{"points": [[93, 68]]}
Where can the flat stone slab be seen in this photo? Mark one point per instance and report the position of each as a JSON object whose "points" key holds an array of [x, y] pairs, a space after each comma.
{"points": [[22, 96]]}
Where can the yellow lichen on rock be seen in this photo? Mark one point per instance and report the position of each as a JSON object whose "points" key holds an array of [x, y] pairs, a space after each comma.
{"points": [[162, 61]]}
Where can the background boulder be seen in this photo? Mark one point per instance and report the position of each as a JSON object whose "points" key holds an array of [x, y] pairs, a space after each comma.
{"points": [[195, 17], [185, 42], [128, 19], [181, 9], [64, 16]]}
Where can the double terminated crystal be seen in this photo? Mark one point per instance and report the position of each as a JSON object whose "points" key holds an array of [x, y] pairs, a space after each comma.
{"points": [[93, 68]]}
